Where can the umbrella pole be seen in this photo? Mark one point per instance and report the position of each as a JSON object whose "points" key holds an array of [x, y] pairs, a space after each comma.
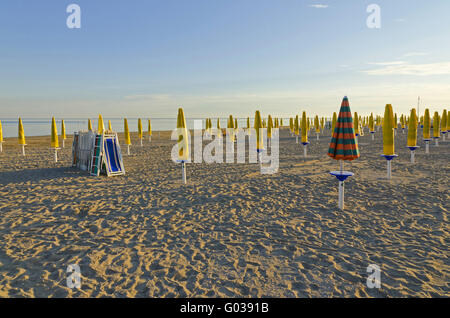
{"points": [[56, 155], [317, 136], [149, 138], [128, 150], [296, 139], [260, 160], [373, 136], [141, 141], [1, 146], [436, 141], [183, 172], [23, 150], [341, 195], [305, 151], [427, 146], [389, 169], [63, 143], [412, 156]]}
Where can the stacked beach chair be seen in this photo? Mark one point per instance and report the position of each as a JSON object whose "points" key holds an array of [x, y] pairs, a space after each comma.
{"points": [[97, 153]]}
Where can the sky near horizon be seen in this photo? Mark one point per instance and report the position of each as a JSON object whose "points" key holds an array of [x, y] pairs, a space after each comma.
{"points": [[145, 58]]}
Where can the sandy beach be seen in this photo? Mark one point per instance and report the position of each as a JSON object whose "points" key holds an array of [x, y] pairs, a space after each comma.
{"points": [[230, 232]]}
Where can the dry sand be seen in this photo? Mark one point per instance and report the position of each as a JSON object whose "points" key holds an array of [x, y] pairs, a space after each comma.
{"points": [[230, 231]]}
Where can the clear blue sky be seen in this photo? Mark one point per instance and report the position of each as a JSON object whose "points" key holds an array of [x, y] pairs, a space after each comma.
{"points": [[218, 57]]}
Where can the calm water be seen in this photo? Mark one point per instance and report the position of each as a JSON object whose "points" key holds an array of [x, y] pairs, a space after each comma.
{"points": [[41, 126]]}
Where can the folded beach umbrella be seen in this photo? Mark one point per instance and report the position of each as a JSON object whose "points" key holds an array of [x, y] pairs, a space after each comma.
{"points": [[101, 125], [259, 135], [448, 121], [248, 127], [296, 128], [304, 140], [291, 126], [281, 122], [322, 123], [412, 134], [22, 136], [343, 146], [183, 142], [89, 125], [218, 128], [388, 137], [317, 126], [149, 130], [426, 130], [54, 141], [402, 123], [269, 127], [126, 133], [230, 128], [333, 123], [395, 124], [1, 137], [63, 132], [140, 131], [444, 124], [235, 124], [109, 126], [372, 126], [356, 126], [436, 127]]}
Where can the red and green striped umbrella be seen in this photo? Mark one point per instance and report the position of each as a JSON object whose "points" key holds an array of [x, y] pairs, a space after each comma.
{"points": [[343, 144]]}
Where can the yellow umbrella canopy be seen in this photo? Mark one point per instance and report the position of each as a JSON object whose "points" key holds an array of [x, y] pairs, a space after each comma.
{"points": [[448, 120], [444, 121], [109, 125], [1, 132], [412, 129], [269, 127], [436, 125], [388, 131], [395, 121], [259, 136], [54, 141], [89, 125], [235, 123], [149, 129], [248, 122], [333, 123], [317, 124], [371, 123], [101, 125], [356, 124], [21, 133], [126, 132], [183, 142], [63, 130], [140, 129], [291, 125], [426, 125], [218, 123], [230, 123], [297, 125], [304, 131], [322, 123]]}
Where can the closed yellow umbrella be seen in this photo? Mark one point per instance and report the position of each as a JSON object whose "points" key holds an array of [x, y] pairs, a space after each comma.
{"points": [[322, 123], [356, 125], [333, 123], [388, 137], [317, 126], [372, 126], [269, 127], [1, 137], [219, 128], [291, 125], [248, 126], [444, 124], [140, 131], [436, 127], [54, 140], [395, 123], [259, 135], [126, 133], [426, 129], [412, 134], [22, 136], [109, 126], [304, 140], [149, 130], [100, 124], [183, 143], [448, 121], [63, 132], [296, 128], [89, 125], [230, 128]]}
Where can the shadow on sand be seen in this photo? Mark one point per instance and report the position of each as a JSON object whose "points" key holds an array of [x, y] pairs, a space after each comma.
{"points": [[36, 175]]}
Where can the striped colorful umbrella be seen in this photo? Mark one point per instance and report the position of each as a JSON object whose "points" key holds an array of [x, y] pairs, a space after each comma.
{"points": [[343, 144]]}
